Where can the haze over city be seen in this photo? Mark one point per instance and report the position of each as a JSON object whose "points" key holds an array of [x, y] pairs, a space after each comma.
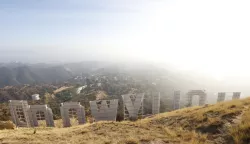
{"points": [[208, 37]]}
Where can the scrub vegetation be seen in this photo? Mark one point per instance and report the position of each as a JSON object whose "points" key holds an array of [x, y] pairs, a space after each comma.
{"points": [[225, 122]]}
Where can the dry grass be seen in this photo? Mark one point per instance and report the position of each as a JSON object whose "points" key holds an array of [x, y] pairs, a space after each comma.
{"points": [[241, 132], [189, 125], [6, 125], [101, 132]]}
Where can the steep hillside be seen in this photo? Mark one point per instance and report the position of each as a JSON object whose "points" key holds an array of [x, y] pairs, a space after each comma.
{"points": [[226, 122], [25, 76], [7, 77], [51, 74], [10, 76]]}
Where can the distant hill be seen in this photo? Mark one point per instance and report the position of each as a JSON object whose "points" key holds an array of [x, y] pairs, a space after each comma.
{"points": [[7, 77], [222, 123], [24, 74], [18, 73], [52, 74]]}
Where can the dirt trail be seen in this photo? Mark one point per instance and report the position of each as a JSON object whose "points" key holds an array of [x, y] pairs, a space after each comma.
{"points": [[237, 120]]}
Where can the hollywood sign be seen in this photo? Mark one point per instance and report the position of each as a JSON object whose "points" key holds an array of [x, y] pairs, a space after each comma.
{"points": [[24, 115]]}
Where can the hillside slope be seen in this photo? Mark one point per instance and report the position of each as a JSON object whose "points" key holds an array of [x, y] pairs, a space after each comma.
{"points": [[226, 122], [30, 75]]}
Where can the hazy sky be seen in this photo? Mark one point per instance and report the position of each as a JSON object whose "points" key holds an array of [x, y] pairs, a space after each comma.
{"points": [[212, 36]]}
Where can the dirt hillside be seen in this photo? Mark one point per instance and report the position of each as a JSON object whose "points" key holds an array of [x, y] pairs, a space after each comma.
{"points": [[226, 122]]}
